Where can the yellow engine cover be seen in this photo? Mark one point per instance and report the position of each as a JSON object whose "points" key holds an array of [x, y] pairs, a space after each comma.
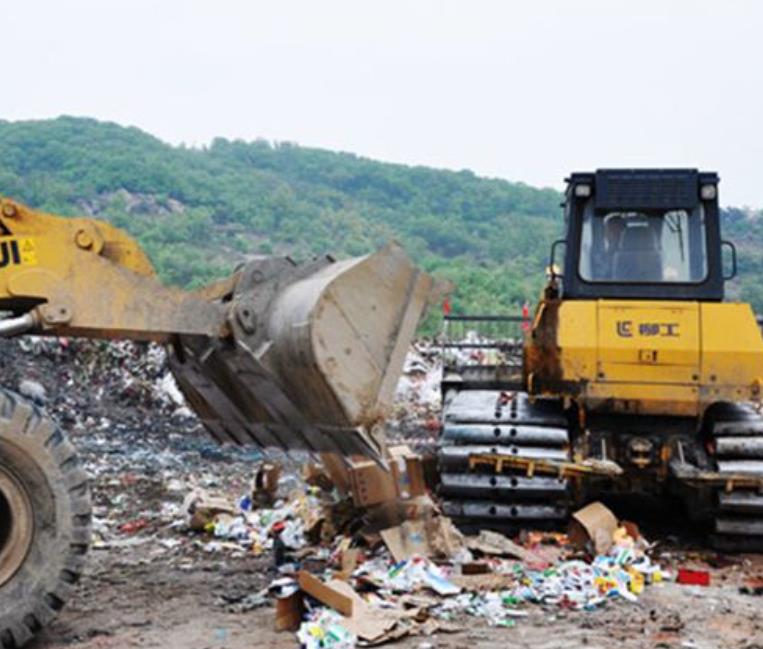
{"points": [[647, 357]]}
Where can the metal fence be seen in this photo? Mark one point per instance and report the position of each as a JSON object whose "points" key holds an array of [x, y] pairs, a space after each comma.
{"points": [[483, 339], [483, 351], [481, 331]]}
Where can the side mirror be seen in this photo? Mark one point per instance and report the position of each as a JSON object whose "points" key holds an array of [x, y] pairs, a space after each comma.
{"points": [[732, 247], [552, 260]]}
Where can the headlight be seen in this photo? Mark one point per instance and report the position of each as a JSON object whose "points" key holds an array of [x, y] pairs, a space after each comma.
{"points": [[708, 192], [582, 191]]}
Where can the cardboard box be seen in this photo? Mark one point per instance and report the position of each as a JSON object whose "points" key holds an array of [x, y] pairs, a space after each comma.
{"points": [[337, 469], [593, 526], [289, 612], [372, 484]]}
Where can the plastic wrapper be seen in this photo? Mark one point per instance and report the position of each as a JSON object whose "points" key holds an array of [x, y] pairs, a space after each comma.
{"points": [[324, 630]]}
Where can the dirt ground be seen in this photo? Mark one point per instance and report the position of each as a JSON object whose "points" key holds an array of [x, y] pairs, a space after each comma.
{"points": [[130, 599], [150, 584]]}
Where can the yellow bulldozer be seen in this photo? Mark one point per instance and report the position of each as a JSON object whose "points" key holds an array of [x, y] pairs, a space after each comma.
{"points": [[279, 355], [634, 377]]}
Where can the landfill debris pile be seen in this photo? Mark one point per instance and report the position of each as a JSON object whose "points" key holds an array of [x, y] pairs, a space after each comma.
{"points": [[81, 381], [476, 350], [120, 372], [259, 523], [415, 416], [406, 585], [348, 575], [340, 554]]}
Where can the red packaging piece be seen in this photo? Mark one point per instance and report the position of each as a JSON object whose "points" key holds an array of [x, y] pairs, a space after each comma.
{"points": [[693, 577]]}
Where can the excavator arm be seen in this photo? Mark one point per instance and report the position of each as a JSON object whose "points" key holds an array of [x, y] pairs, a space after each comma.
{"points": [[284, 355]]}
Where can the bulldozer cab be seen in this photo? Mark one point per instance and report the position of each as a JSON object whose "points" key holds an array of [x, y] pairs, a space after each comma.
{"points": [[643, 234]]}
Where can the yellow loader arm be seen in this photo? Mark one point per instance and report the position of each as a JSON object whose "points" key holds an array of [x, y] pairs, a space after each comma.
{"points": [[83, 277], [285, 355]]}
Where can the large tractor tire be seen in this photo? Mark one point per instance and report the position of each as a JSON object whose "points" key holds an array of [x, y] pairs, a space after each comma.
{"points": [[45, 517]]}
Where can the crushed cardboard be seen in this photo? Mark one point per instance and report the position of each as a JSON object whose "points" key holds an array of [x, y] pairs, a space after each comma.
{"points": [[496, 544], [372, 625], [484, 582], [325, 593], [445, 539], [593, 528], [201, 509], [289, 612], [407, 540]]}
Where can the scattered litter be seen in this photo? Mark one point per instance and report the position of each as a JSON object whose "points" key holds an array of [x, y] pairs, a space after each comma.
{"points": [[324, 630], [692, 577], [752, 586]]}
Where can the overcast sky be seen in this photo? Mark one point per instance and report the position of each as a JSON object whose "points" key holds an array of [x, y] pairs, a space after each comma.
{"points": [[520, 90]]}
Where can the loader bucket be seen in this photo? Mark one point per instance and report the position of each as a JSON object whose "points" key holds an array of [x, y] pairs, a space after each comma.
{"points": [[314, 354]]}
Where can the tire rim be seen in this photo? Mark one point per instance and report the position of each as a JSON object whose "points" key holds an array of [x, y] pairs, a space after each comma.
{"points": [[16, 525]]}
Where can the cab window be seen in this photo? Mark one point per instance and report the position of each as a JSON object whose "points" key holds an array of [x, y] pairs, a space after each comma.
{"points": [[643, 247]]}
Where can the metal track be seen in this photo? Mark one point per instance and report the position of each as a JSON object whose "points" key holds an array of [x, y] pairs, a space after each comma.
{"points": [[738, 448], [490, 421]]}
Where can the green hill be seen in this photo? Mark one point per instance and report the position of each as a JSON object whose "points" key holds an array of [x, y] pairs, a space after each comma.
{"points": [[198, 212]]}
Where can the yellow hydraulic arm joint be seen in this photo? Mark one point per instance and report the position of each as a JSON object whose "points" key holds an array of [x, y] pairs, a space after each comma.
{"points": [[84, 277]]}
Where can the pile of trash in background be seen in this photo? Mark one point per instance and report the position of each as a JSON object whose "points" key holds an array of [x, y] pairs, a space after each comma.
{"points": [[415, 417], [143, 448], [81, 380], [356, 556]]}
